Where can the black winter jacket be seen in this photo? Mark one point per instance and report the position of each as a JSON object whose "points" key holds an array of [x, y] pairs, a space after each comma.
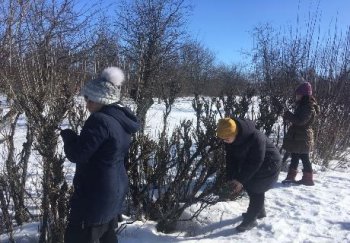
{"points": [[252, 159], [100, 180]]}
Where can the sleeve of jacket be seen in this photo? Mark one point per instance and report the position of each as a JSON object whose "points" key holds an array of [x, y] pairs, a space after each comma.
{"points": [[254, 159], [232, 166], [93, 134], [301, 117]]}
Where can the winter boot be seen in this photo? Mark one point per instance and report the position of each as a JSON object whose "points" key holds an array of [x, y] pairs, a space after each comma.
{"points": [[292, 173], [307, 179], [247, 224]]}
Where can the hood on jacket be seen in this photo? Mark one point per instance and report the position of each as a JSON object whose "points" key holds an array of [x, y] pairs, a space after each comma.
{"points": [[124, 116], [245, 129]]}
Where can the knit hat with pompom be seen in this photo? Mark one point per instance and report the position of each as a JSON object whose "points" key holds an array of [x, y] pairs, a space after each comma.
{"points": [[105, 89]]}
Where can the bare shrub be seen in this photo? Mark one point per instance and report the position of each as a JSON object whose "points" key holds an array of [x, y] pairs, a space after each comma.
{"points": [[42, 56], [179, 170], [332, 130], [282, 61], [236, 102]]}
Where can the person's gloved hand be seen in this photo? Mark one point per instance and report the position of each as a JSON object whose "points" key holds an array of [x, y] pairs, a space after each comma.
{"points": [[229, 190], [67, 135], [236, 186]]}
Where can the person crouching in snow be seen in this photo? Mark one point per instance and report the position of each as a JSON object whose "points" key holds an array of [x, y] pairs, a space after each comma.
{"points": [[100, 181], [252, 163], [299, 139]]}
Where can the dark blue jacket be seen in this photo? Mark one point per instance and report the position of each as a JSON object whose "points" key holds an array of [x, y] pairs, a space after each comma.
{"points": [[100, 180], [252, 159]]}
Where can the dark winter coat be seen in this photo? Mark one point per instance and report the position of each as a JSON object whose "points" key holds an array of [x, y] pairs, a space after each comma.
{"points": [[252, 159], [100, 180], [300, 136]]}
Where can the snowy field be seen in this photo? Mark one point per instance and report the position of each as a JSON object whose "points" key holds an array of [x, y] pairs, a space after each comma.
{"points": [[320, 213]]}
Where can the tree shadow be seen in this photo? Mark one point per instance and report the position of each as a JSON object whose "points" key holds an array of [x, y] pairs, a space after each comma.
{"points": [[285, 185], [209, 233], [344, 225]]}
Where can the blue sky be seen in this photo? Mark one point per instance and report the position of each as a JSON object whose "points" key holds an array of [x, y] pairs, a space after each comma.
{"points": [[225, 26]]}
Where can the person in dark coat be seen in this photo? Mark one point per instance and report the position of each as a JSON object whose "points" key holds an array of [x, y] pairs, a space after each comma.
{"points": [[252, 163], [100, 181], [299, 140]]}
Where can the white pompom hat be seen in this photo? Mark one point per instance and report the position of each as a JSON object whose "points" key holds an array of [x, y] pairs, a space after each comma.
{"points": [[105, 89]]}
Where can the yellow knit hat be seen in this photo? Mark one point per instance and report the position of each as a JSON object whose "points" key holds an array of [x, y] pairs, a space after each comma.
{"points": [[226, 128]]}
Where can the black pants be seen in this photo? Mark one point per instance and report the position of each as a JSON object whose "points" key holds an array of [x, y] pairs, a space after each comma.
{"points": [[307, 167], [256, 205], [104, 233]]}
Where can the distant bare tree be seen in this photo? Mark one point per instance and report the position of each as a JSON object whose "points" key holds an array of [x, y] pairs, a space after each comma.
{"points": [[106, 50], [150, 33], [227, 80], [197, 65]]}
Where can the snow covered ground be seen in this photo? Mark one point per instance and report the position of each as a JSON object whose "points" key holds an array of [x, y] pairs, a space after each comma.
{"points": [[294, 214], [320, 213]]}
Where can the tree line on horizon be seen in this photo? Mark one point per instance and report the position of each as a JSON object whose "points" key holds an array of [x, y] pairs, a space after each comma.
{"points": [[49, 48]]}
